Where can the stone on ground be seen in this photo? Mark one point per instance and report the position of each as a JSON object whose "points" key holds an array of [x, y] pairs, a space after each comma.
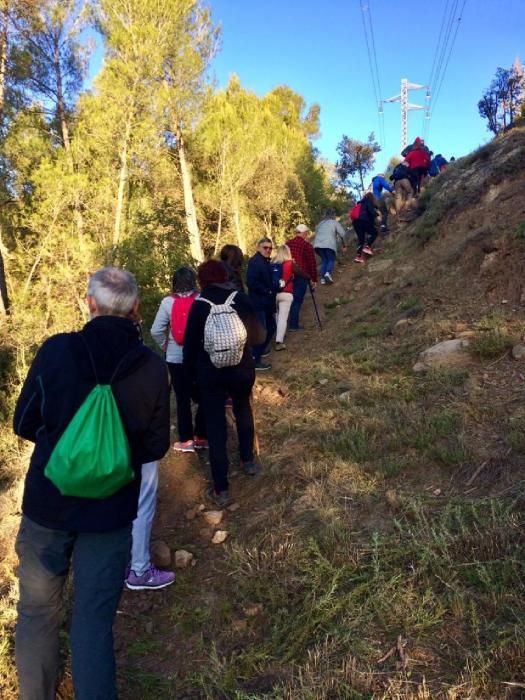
{"points": [[160, 554], [183, 559], [449, 353]]}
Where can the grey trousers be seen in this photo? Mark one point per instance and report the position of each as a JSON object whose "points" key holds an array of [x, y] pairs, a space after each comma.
{"points": [[99, 562]]}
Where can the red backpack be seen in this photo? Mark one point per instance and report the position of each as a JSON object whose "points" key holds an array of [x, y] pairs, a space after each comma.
{"points": [[355, 211], [180, 311]]}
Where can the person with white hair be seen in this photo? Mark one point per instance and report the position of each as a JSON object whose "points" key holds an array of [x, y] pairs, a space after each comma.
{"points": [[86, 532]]}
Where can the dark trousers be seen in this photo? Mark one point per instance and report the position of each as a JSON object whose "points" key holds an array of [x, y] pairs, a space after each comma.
{"points": [[99, 562], [366, 234], [327, 256], [300, 285], [266, 316], [185, 390], [214, 386]]}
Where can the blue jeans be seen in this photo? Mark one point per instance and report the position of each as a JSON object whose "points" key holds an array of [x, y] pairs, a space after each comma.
{"points": [[141, 533], [300, 285], [99, 562], [327, 256], [266, 316]]}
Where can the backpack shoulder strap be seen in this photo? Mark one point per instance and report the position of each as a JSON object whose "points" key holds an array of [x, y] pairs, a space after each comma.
{"points": [[90, 356], [229, 300], [206, 300]]}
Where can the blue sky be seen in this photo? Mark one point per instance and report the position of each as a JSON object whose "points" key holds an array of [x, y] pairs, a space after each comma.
{"points": [[318, 49]]}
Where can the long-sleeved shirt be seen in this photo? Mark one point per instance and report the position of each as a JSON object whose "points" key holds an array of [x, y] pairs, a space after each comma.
{"points": [[161, 330], [327, 232], [303, 254], [379, 184]]}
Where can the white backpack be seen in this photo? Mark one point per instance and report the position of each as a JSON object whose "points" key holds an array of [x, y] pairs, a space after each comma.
{"points": [[224, 333]]}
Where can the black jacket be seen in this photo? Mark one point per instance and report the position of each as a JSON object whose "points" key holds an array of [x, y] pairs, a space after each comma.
{"points": [[58, 382], [368, 212], [259, 282], [196, 359]]}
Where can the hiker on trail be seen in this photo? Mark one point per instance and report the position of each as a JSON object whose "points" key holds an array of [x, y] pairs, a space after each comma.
{"points": [[283, 271], [365, 213], [168, 332], [105, 365], [382, 191], [233, 258], [404, 184], [142, 575], [418, 160], [328, 233], [303, 255], [262, 296], [437, 165], [202, 354], [419, 143]]}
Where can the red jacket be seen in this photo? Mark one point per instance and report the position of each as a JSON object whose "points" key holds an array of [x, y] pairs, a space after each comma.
{"points": [[288, 276], [418, 158]]}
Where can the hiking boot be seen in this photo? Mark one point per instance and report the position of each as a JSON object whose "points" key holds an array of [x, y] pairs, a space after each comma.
{"points": [[328, 278], [367, 250], [359, 259], [151, 579], [262, 366], [187, 446], [200, 443], [279, 346], [250, 468], [221, 499]]}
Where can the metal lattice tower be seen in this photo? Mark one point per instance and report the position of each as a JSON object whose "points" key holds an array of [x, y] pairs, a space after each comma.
{"points": [[406, 107]]}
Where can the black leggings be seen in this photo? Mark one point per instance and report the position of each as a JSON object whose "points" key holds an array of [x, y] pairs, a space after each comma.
{"points": [[185, 390], [214, 386], [366, 234]]}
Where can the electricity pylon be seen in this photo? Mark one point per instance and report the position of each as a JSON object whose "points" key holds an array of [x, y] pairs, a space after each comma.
{"points": [[406, 106]]}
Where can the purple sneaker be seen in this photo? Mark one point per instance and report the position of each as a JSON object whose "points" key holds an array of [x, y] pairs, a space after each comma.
{"points": [[152, 578]]}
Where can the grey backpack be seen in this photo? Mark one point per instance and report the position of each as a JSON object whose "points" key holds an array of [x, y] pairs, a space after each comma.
{"points": [[224, 333]]}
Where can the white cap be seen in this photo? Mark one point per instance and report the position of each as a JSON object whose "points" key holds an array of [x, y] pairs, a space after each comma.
{"points": [[302, 228]]}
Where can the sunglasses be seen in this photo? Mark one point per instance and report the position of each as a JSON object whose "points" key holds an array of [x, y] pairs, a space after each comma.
{"points": [[267, 247]]}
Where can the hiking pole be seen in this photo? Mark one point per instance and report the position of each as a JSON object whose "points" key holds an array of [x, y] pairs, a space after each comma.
{"points": [[315, 306]]}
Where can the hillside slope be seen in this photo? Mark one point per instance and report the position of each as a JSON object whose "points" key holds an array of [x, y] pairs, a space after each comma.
{"points": [[381, 551]]}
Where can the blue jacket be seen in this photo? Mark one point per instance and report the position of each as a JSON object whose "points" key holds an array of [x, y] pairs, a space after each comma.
{"points": [[378, 185], [259, 282]]}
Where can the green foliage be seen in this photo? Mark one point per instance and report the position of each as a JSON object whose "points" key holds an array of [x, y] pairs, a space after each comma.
{"points": [[356, 159], [491, 344], [519, 233]]}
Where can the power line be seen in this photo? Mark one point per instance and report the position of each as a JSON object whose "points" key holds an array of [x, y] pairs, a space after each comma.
{"points": [[372, 61], [444, 48]]}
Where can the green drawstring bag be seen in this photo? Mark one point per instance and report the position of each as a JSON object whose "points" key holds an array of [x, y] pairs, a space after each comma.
{"points": [[92, 457]]}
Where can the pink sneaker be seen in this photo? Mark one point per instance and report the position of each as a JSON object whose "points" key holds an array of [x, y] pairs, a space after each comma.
{"points": [[200, 443], [187, 446], [359, 259], [367, 250]]}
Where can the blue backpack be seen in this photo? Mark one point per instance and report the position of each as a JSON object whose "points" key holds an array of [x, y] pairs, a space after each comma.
{"points": [[278, 282], [434, 168]]}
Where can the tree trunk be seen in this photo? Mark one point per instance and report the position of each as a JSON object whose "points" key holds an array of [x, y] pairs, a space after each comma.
{"points": [[4, 39], [61, 105], [237, 222], [4, 297], [189, 203], [122, 181]]}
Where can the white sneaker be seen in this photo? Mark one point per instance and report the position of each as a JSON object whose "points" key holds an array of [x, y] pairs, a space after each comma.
{"points": [[328, 278], [323, 281]]}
